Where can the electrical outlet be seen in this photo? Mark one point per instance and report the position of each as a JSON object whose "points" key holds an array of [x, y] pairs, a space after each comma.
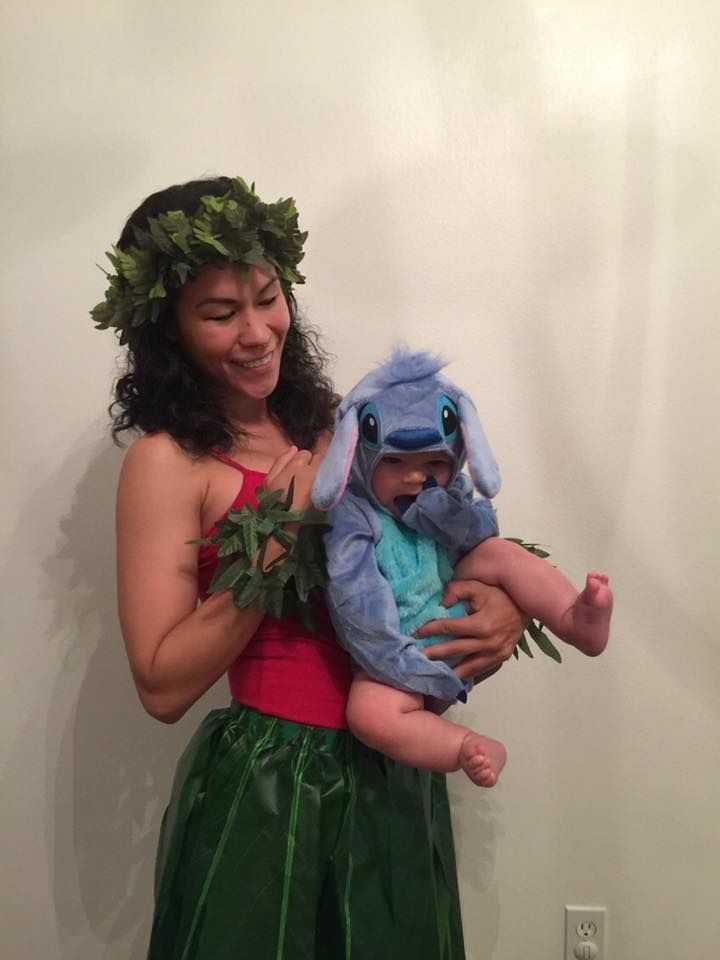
{"points": [[584, 933]]}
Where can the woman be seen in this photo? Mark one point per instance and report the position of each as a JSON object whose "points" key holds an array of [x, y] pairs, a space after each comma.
{"points": [[284, 837]]}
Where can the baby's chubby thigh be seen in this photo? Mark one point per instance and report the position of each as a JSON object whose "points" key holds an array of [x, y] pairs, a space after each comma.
{"points": [[373, 707]]}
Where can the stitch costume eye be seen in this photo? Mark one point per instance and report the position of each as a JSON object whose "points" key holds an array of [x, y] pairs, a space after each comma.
{"points": [[448, 417], [370, 426]]}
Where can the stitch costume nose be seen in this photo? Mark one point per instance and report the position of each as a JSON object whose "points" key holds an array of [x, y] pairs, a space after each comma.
{"points": [[413, 438]]}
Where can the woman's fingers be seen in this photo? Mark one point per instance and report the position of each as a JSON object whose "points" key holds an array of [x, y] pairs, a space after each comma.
{"points": [[297, 467], [321, 444], [485, 638], [472, 593], [472, 666], [473, 663], [279, 465], [454, 627], [462, 647], [287, 466]]}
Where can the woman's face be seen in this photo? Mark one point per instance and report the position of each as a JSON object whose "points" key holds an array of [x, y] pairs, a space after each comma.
{"points": [[232, 323]]}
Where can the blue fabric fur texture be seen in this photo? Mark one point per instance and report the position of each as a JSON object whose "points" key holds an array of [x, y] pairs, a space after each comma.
{"points": [[418, 570], [404, 405]]}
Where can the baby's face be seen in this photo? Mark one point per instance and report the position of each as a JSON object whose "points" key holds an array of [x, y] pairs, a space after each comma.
{"points": [[400, 477]]}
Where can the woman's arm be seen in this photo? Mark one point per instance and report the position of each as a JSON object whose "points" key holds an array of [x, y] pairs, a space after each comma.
{"points": [[176, 649]]}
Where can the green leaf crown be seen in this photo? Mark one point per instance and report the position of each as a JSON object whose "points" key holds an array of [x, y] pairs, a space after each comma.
{"points": [[236, 227]]}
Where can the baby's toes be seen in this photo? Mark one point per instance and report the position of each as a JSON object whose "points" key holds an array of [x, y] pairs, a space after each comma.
{"points": [[487, 777], [479, 762]]}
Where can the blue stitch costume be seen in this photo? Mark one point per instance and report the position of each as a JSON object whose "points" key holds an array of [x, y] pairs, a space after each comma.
{"points": [[418, 570], [386, 574]]}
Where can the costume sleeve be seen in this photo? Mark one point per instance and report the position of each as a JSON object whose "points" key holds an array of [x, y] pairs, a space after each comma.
{"points": [[364, 613], [453, 517]]}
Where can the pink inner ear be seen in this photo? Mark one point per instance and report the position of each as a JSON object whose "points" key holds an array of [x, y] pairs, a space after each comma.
{"points": [[350, 453], [485, 485], [471, 468], [471, 465]]}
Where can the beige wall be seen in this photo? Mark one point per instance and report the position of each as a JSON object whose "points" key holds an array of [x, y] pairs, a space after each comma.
{"points": [[533, 188]]}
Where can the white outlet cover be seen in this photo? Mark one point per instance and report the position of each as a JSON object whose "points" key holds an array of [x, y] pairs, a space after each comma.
{"points": [[585, 925]]}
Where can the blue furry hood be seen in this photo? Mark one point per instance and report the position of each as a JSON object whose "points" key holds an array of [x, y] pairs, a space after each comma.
{"points": [[404, 405]]}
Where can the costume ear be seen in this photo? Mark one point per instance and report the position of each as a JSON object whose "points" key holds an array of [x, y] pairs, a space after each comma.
{"points": [[481, 462], [332, 476]]}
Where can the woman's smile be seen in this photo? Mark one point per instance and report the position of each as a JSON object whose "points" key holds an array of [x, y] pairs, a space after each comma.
{"points": [[254, 364]]}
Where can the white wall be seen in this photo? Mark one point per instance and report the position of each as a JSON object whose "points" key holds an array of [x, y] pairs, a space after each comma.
{"points": [[531, 187]]}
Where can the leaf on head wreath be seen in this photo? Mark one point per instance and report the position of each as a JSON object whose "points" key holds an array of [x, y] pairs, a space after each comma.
{"points": [[282, 586], [235, 228]]}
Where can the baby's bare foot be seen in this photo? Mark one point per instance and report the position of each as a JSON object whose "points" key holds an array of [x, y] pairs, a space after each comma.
{"points": [[597, 593], [482, 759], [590, 615]]}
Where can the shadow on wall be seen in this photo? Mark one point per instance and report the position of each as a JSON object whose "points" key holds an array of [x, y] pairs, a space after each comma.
{"points": [[477, 823], [114, 763]]}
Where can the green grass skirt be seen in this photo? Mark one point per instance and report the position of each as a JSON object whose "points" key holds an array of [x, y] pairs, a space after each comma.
{"points": [[291, 842]]}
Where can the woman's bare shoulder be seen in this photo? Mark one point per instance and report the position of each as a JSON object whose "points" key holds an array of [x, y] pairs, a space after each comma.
{"points": [[155, 459], [158, 451]]}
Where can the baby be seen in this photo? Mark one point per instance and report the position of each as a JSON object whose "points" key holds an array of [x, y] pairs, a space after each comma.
{"points": [[404, 523]]}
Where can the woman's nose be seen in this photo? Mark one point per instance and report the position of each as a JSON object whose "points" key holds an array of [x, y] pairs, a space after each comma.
{"points": [[253, 331]]}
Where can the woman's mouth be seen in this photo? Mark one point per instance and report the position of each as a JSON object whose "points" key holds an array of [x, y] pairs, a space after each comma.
{"points": [[254, 364]]}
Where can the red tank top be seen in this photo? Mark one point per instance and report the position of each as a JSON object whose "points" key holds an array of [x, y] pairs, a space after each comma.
{"points": [[284, 670]]}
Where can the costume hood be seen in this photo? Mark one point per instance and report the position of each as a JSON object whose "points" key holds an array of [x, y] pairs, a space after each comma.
{"points": [[405, 405]]}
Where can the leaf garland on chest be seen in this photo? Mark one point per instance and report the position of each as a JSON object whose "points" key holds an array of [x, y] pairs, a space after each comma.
{"points": [[282, 586]]}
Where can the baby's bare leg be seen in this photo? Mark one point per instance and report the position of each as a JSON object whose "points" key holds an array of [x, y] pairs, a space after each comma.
{"points": [[582, 619], [396, 724], [589, 616]]}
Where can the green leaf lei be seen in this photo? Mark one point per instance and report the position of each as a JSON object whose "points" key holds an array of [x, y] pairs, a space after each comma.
{"points": [[281, 587], [535, 629], [234, 228]]}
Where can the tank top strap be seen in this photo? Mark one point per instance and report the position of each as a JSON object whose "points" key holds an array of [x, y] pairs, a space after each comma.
{"points": [[219, 455]]}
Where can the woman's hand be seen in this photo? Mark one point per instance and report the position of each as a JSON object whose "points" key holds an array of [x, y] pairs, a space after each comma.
{"points": [[485, 638], [300, 466]]}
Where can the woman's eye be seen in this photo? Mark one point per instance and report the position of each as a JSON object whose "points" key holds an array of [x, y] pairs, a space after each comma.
{"points": [[269, 302], [221, 316]]}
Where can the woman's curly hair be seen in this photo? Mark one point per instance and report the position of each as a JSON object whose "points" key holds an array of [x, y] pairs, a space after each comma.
{"points": [[161, 390]]}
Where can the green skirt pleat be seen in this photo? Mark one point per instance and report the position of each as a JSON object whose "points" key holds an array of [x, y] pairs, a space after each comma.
{"points": [[291, 842]]}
